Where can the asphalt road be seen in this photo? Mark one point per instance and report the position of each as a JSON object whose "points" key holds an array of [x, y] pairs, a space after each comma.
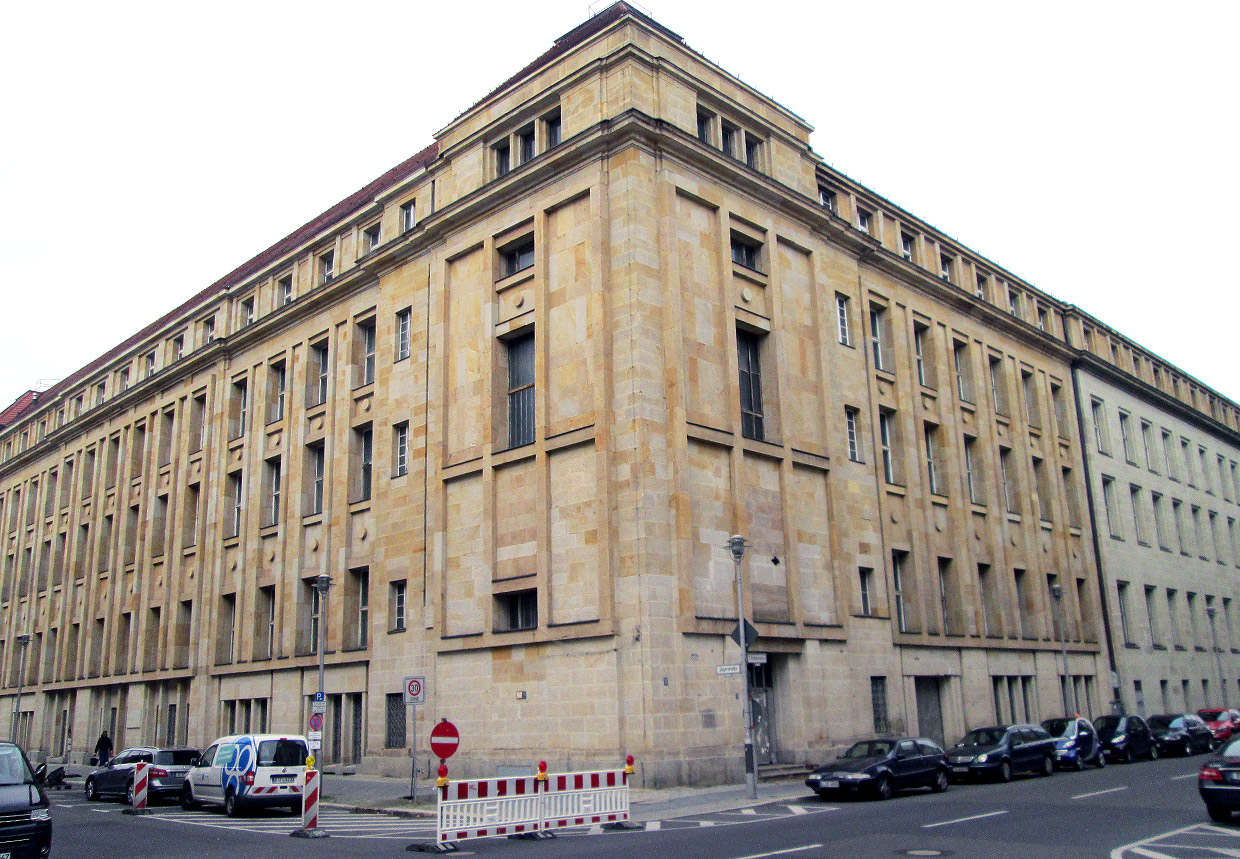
{"points": [[1089, 814]]}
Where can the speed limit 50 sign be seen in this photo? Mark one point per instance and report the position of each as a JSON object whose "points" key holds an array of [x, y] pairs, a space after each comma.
{"points": [[415, 690]]}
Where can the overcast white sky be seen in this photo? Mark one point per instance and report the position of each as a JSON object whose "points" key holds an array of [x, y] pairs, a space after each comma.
{"points": [[149, 148]]}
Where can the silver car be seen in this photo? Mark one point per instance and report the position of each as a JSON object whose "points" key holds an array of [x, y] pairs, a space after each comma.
{"points": [[165, 776]]}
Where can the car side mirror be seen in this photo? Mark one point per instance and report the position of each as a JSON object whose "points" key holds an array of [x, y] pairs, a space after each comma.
{"points": [[40, 774]]}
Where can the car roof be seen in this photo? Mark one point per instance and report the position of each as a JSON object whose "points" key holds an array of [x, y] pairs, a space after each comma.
{"points": [[232, 738]]}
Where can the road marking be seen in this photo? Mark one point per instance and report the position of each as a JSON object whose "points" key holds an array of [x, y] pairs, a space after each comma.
{"points": [[1178, 777], [654, 826], [962, 819], [781, 852], [798, 809], [1151, 854], [748, 811], [1119, 852], [1099, 792]]}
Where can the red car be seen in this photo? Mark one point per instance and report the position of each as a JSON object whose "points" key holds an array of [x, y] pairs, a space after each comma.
{"points": [[1223, 724]]}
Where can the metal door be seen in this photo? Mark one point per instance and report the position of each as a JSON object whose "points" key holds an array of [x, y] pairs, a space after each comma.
{"points": [[762, 699], [929, 708]]}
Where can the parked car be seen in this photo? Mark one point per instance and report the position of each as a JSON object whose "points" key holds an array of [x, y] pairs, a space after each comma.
{"points": [[25, 813], [1218, 782], [247, 771], [1126, 738], [878, 768], [164, 778], [1001, 751], [1076, 742], [1180, 733], [1222, 722]]}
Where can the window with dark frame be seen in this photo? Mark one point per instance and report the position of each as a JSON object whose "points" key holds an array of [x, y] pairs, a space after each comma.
{"points": [[750, 370], [865, 581], [516, 611], [525, 140], [519, 257], [400, 449], [878, 702], [521, 393], [553, 127], [404, 331], [745, 252], [408, 216], [502, 163]]}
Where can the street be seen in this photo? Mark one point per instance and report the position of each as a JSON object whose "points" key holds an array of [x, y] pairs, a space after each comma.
{"points": [[1090, 814]]}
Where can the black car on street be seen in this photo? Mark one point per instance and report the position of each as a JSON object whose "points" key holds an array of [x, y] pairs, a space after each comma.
{"points": [[878, 768], [1126, 738], [1000, 751], [1181, 733], [164, 778], [25, 813], [1218, 782]]}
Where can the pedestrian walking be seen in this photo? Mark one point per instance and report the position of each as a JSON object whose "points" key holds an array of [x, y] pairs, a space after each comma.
{"points": [[103, 749]]}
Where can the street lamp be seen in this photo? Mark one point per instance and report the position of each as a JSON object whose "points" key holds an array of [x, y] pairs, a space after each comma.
{"points": [[321, 585], [1069, 689], [1218, 656], [736, 543], [24, 641]]}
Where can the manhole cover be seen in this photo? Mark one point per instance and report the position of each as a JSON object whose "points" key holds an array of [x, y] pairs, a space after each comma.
{"points": [[925, 853]]}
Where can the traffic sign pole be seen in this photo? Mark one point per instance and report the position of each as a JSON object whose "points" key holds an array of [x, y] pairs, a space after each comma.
{"points": [[413, 756]]}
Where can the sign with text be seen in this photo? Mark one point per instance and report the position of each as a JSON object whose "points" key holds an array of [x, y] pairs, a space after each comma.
{"points": [[415, 690], [725, 670]]}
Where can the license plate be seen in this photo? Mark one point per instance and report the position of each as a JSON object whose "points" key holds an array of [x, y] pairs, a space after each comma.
{"points": [[1231, 776], [282, 779], [960, 769], [825, 784]]}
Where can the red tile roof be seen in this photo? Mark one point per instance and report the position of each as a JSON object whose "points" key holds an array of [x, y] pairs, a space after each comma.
{"points": [[18, 408]]}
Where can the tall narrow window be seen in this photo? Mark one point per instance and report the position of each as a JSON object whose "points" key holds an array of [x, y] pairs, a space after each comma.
{"points": [[907, 244], [327, 266], [921, 334], [502, 159], [750, 385], [521, 390], [898, 560], [365, 458], [1029, 389], [704, 120], [400, 449], [371, 236], [878, 702], [945, 594], [1125, 437], [1005, 476], [1100, 427], [885, 440], [964, 378], [285, 289], [235, 501], [366, 350], [865, 581], [998, 386], [1138, 519], [404, 329], [320, 366], [277, 379], [273, 491], [841, 314], [970, 470], [396, 605], [240, 406], [525, 140], [408, 216], [850, 424], [553, 127], [1042, 480], [1110, 503], [878, 319], [946, 264], [935, 480], [317, 466]]}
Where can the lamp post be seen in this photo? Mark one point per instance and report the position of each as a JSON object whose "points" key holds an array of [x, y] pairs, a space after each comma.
{"points": [[321, 585], [23, 642], [1218, 656], [1069, 698], [736, 543]]}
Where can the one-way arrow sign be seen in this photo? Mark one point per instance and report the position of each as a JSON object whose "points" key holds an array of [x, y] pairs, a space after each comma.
{"points": [[751, 634]]}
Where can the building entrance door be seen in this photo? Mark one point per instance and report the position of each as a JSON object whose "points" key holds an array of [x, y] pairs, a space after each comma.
{"points": [[762, 698], [929, 708]]}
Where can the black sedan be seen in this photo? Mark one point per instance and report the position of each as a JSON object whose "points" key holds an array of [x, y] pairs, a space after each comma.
{"points": [[164, 778], [1002, 750], [1181, 733], [1218, 782], [878, 768], [1125, 738]]}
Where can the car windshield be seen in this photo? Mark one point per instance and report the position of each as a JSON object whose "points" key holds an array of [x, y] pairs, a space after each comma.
{"points": [[281, 753], [1159, 723], [1060, 727], [176, 757], [1232, 750], [868, 749], [1106, 725], [983, 737], [1212, 715], [13, 767]]}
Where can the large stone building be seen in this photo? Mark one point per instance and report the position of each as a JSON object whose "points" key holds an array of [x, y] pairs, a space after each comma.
{"points": [[513, 396]]}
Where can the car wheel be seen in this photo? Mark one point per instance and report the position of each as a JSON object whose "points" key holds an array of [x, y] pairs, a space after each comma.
{"points": [[1153, 751], [1005, 771], [1048, 766], [89, 790], [230, 804], [1219, 813], [187, 799], [882, 790], [1188, 749], [1126, 757], [940, 781], [1101, 760], [129, 794]]}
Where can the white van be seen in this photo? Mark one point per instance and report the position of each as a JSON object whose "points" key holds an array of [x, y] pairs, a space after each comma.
{"points": [[248, 771]]}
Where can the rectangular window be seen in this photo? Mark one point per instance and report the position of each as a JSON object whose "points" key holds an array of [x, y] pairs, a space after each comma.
{"points": [[936, 483], [854, 443], [964, 374], [865, 579], [396, 719], [885, 436], [400, 449], [327, 266], [404, 333], [1147, 441], [246, 313], [985, 588], [516, 611], [925, 376], [1010, 497], [265, 623], [320, 370], [502, 161], [1186, 460], [745, 253], [878, 321], [236, 500], [728, 135], [364, 441], [525, 143], [1177, 519], [1112, 506], [907, 244], [408, 216], [192, 514], [747, 348], [946, 263], [148, 363], [1169, 455], [1150, 591], [1021, 581], [178, 352], [521, 395], [1042, 480], [1138, 518], [371, 237], [277, 379], [198, 423], [981, 287], [1100, 427], [1173, 619], [841, 315], [273, 478], [284, 288], [396, 606], [519, 257], [316, 454], [704, 122], [1160, 525], [970, 470], [753, 152], [1013, 302], [828, 200], [553, 128], [240, 407], [998, 386], [1029, 389], [1125, 437], [227, 629], [366, 352], [359, 595], [863, 220], [898, 561], [878, 702]]}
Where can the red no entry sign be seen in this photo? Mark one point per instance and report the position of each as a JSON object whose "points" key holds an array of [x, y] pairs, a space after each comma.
{"points": [[444, 739]]}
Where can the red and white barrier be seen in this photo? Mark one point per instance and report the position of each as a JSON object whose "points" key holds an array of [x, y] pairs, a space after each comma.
{"points": [[141, 782], [310, 801], [488, 807], [529, 805]]}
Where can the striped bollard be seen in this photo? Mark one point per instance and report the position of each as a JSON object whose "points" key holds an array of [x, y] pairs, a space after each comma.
{"points": [[141, 781], [310, 808]]}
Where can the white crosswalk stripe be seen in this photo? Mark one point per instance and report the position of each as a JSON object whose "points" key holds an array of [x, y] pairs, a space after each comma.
{"points": [[341, 824]]}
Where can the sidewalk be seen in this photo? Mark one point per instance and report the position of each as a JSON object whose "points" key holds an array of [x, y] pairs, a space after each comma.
{"points": [[388, 795]]}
